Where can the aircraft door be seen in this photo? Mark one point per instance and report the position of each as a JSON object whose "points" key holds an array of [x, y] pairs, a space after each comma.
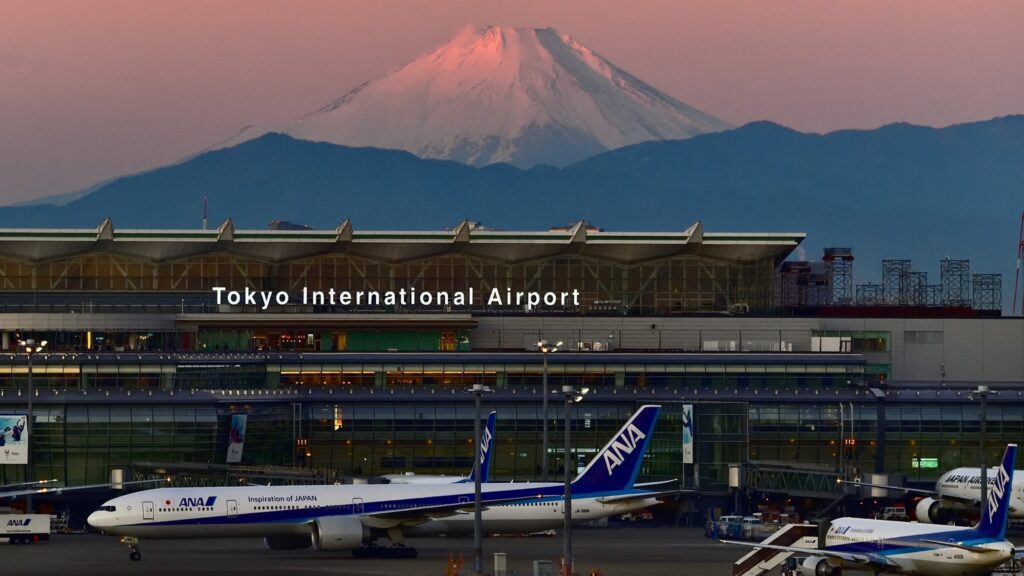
{"points": [[232, 508], [357, 505], [147, 510]]}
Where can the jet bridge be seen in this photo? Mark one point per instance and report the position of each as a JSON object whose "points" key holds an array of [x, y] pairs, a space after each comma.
{"points": [[780, 478]]}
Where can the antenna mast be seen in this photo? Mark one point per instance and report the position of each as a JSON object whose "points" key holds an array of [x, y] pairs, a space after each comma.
{"points": [[204, 214]]}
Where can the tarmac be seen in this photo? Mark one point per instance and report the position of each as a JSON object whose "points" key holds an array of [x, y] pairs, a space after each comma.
{"points": [[625, 551]]}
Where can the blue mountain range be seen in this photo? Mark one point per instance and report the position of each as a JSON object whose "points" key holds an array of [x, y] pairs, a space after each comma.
{"points": [[900, 191]]}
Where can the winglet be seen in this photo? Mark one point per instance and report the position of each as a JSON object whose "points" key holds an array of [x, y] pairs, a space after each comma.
{"points": [[995, 509], [616, 466]]}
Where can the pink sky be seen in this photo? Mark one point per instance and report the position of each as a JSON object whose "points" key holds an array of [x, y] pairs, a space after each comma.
{"points": [[94, 89]]}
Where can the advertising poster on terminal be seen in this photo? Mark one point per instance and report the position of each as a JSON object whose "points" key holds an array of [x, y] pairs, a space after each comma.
{"points": [[236, 438], [13, 439], [687, 433]]}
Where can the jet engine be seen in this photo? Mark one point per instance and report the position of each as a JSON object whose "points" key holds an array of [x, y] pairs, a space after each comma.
{"points": [[818, 566], [931, 511], [339, 533], [288, 542]]}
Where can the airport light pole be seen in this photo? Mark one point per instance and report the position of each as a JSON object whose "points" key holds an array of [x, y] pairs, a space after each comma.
{"points": [[478, 528], [571, 397], [545, 348], [30, 347]]}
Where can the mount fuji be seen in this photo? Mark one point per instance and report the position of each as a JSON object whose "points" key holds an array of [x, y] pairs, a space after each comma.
{"points": [[514, 95]]}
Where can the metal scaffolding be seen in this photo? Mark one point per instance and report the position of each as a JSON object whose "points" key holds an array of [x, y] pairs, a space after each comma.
{"points": [[805, 285], [988, 291], [894, 281], [915, 285], [870, 294], [839, 263], [955, 278]]}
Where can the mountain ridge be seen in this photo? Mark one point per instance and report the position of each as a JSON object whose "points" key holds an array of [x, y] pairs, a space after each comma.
{"points": [[896, 191]]}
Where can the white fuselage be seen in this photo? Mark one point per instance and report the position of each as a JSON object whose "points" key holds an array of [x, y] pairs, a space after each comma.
{"points": [[965, 484], [905, 544], [288, 510]]}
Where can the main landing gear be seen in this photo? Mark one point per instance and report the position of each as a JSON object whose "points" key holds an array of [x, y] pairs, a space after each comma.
{"points": [[374, 551], [133, 548], [397, 549]]}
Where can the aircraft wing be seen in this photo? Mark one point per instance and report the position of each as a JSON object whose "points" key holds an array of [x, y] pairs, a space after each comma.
{"points": [[423, 513], [60, 489], [658, 483], [966, 547], [642, 496], [872, 560]]}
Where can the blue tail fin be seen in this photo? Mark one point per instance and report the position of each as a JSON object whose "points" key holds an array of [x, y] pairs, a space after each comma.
{"points": [[616, 466], [486, 449], [1000, 491]]}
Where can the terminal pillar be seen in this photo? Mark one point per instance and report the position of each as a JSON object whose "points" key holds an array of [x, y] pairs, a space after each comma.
{"points": [[880, 438]]}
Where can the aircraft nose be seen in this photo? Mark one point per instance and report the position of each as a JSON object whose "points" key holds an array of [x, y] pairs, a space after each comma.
{"points": [[96, 519]]}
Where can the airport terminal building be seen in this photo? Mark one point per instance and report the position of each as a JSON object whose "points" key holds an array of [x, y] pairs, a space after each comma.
{"points": [[351, 352]]}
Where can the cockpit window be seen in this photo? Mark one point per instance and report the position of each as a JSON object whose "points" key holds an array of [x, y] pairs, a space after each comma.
{"points": [[108, 508]]}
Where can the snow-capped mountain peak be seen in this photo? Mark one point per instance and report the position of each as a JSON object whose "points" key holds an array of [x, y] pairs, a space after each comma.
{"points": [[495, 94]]}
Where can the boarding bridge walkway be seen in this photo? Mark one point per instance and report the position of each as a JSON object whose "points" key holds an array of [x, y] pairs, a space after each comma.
{"points": [[762, 560], [782, 478]]}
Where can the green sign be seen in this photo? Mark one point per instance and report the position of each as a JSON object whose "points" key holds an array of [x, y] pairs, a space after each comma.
{"points": [[924, 463]]}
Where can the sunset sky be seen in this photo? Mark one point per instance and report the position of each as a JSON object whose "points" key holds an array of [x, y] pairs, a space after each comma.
{"points": [[90, 90]]}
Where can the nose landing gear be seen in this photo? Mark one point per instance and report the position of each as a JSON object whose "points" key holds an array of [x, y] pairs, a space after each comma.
{"points": [[133, 548]]}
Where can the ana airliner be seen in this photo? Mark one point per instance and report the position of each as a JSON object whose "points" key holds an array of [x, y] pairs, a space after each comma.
{"points": [[883, 546], [344, 517]]}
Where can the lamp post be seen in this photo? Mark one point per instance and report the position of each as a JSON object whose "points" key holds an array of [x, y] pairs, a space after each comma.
{"points": [[478, 552], [30, 347], [545, 348], [571, 397]]}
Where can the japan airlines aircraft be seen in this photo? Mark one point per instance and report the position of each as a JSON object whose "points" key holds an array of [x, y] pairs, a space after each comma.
{"points": [[484, 461], [344, 517], [914, 548], [958, 490]]}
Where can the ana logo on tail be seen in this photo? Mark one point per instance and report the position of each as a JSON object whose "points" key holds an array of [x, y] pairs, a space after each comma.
{"points": [[996, 491], [485, 444], [622, 446]]}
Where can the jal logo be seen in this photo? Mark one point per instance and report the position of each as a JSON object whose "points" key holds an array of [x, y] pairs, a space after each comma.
{"points": [[485, 445], [189, 502], [623, 445], [997, 491], [19, 522]]}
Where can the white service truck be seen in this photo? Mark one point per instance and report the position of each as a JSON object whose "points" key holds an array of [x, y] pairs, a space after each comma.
{"points": [[24, 528]]}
